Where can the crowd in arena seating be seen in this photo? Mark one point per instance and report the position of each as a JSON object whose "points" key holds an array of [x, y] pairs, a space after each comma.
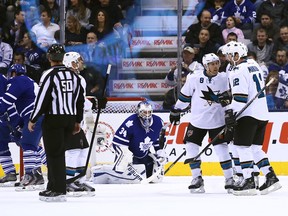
{"points": [[101, 30]]}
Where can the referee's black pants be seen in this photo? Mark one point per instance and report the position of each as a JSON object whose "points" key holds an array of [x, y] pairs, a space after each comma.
{"points": [[56, 129]]}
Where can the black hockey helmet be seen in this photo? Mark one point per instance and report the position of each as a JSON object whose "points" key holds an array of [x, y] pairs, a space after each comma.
{"points": [[56, 52]]}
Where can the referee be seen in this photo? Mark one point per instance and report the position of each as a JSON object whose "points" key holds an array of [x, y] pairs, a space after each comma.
{"points": [[61, 100]]}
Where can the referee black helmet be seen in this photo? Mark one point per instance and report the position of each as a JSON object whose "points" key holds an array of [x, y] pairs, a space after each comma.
{"points": [[56, 52]]}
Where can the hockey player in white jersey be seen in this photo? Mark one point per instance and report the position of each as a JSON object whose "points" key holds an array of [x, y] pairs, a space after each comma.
{"points": [[202, 90], [134, 160], [78, 146], [246, 80]]}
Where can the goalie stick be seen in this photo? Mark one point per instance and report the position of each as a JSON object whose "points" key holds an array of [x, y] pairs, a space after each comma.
{"points": [[83, 173], [190, 160]]}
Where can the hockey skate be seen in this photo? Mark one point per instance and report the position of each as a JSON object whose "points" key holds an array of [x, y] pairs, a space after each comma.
{"points": [[8, 180], [73, 190], [87, 189], [256, 179], [229, 184], [246, 188], [31, 181], [238, 178], [197, 185], [50, 196], [271, 184]]}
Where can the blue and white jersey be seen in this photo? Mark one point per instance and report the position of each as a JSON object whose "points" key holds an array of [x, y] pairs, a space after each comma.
{"points": [[246, 80], [21, 91], [246, 11], [132, 134], [3, 84], [202, 92]]}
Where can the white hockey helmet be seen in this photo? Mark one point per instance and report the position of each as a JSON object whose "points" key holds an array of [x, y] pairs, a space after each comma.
{"points": [[144, 112], [208, 58], [236, 47], [70, 57]]}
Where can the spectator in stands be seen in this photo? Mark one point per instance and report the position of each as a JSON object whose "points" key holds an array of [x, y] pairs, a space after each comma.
{"points": [[266, 22], [188, 66], [216, 10], [3, 10], [6, 53], [34, 56], [45, 30], [81, 12], [75, 34], [32, 72], [14, 31], [101, 25], [282, 41], [231, 37], [115, 13], [231, 27], [280, 62], [276, 8], [203, 45], [223, 60], [272, 101], [244, 12], [252, 55], [53, 6], [262, 46], [171, 95], [192, 33]]}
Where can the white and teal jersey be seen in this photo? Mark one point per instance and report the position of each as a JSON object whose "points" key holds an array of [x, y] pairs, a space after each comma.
{"points": [[202, 91], [246, 80]]}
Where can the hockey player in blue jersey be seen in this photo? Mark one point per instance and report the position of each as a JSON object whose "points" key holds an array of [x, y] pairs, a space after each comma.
{"points": [[132, 143], [20, 93]]}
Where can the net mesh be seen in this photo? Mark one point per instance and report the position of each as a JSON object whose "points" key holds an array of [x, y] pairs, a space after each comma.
{"points": [[122, 105]]}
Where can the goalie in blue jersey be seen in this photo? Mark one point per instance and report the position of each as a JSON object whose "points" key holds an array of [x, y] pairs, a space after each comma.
{"points": [[132, 143]]}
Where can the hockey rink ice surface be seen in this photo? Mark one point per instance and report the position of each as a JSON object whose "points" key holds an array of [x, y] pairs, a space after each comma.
{"points": [[169, 198]]}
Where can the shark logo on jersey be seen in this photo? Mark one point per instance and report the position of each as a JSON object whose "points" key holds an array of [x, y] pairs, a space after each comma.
{"points": [[210, 96], [144, 146]]}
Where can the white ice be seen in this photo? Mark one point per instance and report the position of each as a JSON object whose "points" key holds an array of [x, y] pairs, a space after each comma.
{"points": [[169, 198]]}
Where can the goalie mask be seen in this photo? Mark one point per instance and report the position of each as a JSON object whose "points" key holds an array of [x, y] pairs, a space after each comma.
{"points": [[144, 112]]}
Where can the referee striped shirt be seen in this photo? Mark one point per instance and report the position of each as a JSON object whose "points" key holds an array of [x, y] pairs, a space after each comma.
{"points": [[60, 93]]}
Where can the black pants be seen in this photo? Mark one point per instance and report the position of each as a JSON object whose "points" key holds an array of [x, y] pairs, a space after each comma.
{"points": [[56, 130]]}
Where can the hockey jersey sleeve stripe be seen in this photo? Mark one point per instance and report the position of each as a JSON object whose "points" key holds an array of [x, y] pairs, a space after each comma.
{"points": [[184, 98], [240, 98], [121, 139]]}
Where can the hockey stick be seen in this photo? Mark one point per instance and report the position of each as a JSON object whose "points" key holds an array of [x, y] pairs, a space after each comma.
{"points": [[171, 165], [83, 173], [190, 160]]}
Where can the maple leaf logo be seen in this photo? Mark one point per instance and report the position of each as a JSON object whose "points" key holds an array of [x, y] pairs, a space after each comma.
{"points": [[129, 123], [144, 146]]}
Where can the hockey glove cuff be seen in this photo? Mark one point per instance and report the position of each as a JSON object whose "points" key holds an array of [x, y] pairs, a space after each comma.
{"points": [[175, 116], [225, 98]]}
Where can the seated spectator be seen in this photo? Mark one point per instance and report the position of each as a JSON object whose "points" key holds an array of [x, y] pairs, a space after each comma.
{"points": [[188, 66], [32, 72], [267, 23], [276, 8], [223, 60], [272, 101], [33, 54], [231, 37], [6, 53], [280, 62], [231, 27], [192, 33], [262, 46], [14, 31], [216, 11], [53, 6], [244, 12], [81, 12], [282, 41], [203, 45], [75, 34], [45, 30]]}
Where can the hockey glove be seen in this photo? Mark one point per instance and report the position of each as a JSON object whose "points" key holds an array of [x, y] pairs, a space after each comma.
{"points": [[174, 116], [230, 121], [102, 101], [16, 135], [225, 98]]}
